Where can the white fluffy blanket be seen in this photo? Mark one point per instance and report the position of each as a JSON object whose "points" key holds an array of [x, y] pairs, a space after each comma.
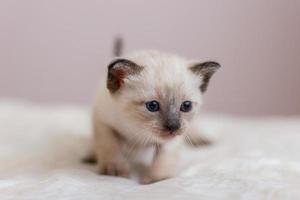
{"points": [[40, 149]]}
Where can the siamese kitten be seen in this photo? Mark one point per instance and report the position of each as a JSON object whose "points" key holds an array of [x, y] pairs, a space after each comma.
{"points": [[149, 98]]}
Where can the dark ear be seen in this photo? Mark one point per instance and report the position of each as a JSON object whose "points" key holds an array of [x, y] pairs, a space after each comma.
{"points": [[118, 70], [205, 70]]}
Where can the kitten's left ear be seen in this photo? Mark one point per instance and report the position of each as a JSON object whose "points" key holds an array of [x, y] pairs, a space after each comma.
{"points": [[205, 70]]}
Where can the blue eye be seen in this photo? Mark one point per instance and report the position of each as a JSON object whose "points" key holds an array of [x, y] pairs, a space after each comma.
{"points": [[152, 106], [186, 106]]}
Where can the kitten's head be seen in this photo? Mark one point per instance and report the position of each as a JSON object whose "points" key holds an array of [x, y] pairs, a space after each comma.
{"points": [[158, 93]]}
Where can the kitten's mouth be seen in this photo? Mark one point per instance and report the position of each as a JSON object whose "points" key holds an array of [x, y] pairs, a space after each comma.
{"points": [[166, 135], [169, 135]]}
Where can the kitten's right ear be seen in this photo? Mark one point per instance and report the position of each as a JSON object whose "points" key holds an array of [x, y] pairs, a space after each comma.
{"points": [[118, 70], [205, 70]]}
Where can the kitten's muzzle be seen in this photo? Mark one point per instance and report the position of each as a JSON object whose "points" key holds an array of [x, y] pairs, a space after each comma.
{"points": [[172, 125], [172, 119]]}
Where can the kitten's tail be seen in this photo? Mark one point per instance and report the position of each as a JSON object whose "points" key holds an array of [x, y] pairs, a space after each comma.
{"points": [[118, 47]]}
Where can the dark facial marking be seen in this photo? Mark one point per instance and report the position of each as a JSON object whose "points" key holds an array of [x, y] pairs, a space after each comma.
{"points": [[171, 117], [118, 70], [206, 70]]}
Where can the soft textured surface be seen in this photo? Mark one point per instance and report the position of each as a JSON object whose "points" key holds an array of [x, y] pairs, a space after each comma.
{"points": [[40, 148]]}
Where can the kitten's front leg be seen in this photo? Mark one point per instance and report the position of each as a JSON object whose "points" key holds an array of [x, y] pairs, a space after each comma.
{"points": [[164, 164], [110, 159]]}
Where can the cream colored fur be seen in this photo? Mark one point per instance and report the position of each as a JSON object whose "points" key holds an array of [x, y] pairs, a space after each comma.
{"points": [[114, 113]]}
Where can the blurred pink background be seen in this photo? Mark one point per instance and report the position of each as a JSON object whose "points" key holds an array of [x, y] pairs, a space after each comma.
{"points": [[56, 50]]}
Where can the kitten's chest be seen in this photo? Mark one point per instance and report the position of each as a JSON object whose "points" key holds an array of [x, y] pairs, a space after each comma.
{"points": [[132, 139]]}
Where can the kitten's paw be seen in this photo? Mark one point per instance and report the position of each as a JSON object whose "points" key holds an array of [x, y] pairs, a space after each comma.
{"points": [[146, 179], [114, 168], [89, 158]]}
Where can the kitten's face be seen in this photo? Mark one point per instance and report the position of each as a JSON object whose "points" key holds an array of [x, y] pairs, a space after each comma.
{"points": [[158, 94]]}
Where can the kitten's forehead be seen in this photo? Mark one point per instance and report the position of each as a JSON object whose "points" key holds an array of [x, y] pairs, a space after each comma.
{"points": [[158, 61], [164, 75]]}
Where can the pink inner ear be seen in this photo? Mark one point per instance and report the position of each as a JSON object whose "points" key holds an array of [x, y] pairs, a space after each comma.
{"points": [[119, 74]]}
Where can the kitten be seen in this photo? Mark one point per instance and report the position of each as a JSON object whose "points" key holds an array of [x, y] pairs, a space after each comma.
{"points": [[149, 98]]}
